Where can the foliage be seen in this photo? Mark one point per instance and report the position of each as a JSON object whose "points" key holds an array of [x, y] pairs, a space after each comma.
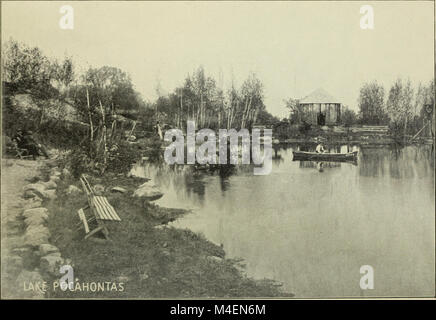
{"points": [[201, 100], [80, 161], [399, 103], [371, 104], [121, 156], [41, 83], [265, 118], [348, 117], [297, 114], [27, 68], [405, 108]]}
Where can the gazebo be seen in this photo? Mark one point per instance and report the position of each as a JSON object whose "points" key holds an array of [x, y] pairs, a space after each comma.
{"points": [[321, 108]]}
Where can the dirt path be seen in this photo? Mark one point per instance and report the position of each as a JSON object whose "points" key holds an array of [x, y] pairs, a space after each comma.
{"points": [[15, 174]]}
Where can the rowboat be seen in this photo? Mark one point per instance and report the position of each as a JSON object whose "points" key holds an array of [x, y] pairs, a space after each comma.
{"points": [[314, 156]]}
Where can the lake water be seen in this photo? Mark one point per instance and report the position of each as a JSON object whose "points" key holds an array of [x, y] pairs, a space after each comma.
{"points": [[313, 230]]}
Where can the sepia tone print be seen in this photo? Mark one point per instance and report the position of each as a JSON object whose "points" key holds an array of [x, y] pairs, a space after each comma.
{"points": [[217, 149]]}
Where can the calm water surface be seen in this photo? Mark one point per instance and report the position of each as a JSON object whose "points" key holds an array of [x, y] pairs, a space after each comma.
{"points": [[313, 230]]}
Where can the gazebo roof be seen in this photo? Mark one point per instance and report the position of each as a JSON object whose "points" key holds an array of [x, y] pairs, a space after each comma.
{"points": [[319, 96]]}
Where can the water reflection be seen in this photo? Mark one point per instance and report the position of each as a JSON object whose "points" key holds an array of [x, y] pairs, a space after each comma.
{"points": [[311, 230]]}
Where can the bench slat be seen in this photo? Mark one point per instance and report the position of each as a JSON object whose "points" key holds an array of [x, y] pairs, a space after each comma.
{"points": [[105, 210], [107, 207], [99, 209], [110, 209]]}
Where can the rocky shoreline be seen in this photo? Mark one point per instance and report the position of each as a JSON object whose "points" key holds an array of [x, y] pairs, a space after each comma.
{"points": [[145, 256], [31, 259]]}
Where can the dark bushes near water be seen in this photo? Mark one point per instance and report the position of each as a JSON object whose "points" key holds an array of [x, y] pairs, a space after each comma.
{"points": [[120, 158], [80, 162]]}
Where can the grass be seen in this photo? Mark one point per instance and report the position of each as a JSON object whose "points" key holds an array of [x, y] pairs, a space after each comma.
{"points": [[151, 262]]}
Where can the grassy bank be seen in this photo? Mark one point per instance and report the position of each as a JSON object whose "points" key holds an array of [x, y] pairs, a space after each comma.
{"points": [[152, 260]]}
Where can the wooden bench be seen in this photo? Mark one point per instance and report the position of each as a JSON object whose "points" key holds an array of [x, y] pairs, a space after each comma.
{"points": [[101, 210]]}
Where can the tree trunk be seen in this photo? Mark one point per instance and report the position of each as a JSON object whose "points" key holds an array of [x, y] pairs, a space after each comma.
{"points": [[90, 116], [104, 137]]}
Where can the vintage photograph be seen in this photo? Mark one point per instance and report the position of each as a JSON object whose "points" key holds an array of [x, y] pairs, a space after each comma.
{"points": [[217, 149]]}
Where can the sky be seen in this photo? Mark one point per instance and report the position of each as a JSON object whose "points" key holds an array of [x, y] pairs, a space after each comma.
{"points": [[293, 47]]}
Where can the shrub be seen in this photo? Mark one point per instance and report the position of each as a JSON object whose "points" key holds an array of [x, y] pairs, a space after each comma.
{"points": [[80, 162], [121, 156]]}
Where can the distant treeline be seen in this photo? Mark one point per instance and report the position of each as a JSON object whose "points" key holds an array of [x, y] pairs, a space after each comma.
{"points": [[201, 100], [406, 110]]}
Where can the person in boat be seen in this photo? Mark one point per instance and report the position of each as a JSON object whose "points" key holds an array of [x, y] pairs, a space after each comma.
{"points": [[320, 148]]}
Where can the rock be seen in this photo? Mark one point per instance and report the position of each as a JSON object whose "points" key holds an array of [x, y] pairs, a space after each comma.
{"points": [[72, 189], [22, 251], [35, 187], [35, 220], [29, 194], [38, 189], [99, 189], [136, 174], [36, 235], [43, 212], [214, 259], [51, 264], [118, 189], [56, 253], [50, 194], [66, 173], [148, 191], [165, 244], [160, 227], [32, 203], [46, 248], [55, 179], [55, 172], [38, 229], [50, 184]]}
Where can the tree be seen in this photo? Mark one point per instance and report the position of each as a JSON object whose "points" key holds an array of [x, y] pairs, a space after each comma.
{"points": [[200, 100], [399, 104], [63, 74], [348, 116], [297, 114], [424, 107], [252, 99], [371, 104], [28, 70], [267, 119]]}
